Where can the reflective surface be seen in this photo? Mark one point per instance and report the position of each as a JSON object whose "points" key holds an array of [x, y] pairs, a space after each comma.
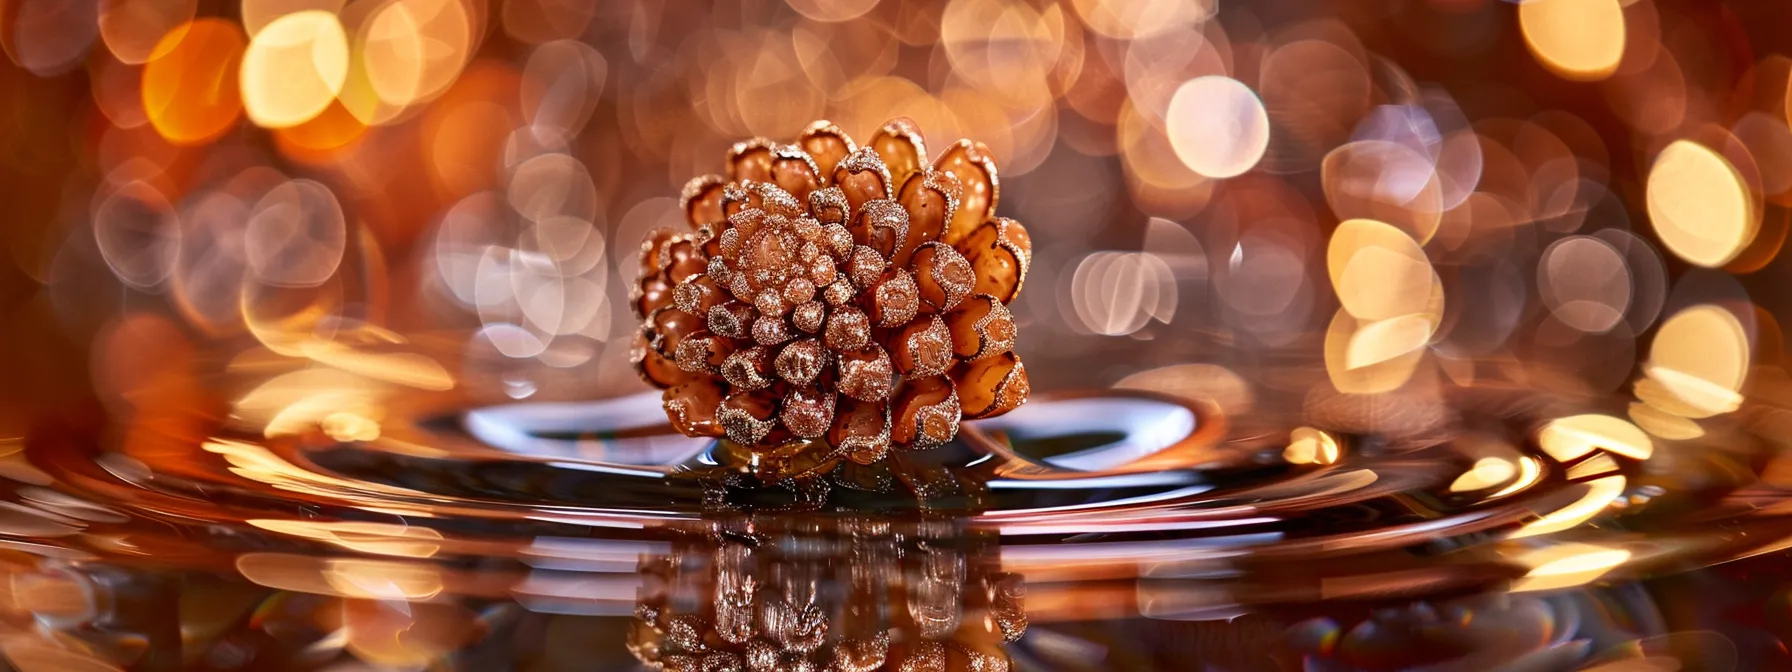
{"points": [[523, 533]]}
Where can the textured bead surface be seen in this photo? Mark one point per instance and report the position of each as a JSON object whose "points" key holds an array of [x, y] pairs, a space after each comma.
{"points": [[853, 295]]}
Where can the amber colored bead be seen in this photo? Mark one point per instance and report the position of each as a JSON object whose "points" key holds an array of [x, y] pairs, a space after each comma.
{"points": [[861, 429], [773, 200], [807, 412], [999, 252], [829, 205], [981, 327], [702, 200], [748, 417], [808, 316], [687, 261], [979, 185], [827, 144], [899, 143], [696, 295], [653, 294], [866, 374], [708, 239], [736, 199], [865, 266], [892, 300], [703, 352], [930, 199], [881, 225], [991, 386], [770, 330], [748, 368], [794, 172], [670, 326], [839, 242], [847, 329], [943, 276], [750, 161], [653, 250], [839, 293], [922, 347], [691, 406], [862, 177], [800, 362], [733, 319], [656, 369], [924, 413]]}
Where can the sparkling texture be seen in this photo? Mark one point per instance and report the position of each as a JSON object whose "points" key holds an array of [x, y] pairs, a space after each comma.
{"points": [[843, 297]]}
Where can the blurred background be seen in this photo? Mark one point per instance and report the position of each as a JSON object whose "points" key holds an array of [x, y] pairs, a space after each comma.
{"points": [[196, 185], [192, 182], [1405, 219]]}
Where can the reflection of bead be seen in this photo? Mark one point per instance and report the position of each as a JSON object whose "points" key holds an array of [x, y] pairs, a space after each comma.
{"points": [[826, 603]]}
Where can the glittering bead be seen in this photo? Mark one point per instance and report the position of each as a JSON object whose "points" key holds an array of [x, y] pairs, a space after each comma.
{"points": [[691, 407], [866, 374], [999, 252], [748, 368], [930, 199], [893, 299], [922, 347], [991, 386], [808, 316], [881, 225], [847, 329], [924, 413], [807, 412], [943, 276], [800, 362], [732, 319], [981, 327], [747, 417]]}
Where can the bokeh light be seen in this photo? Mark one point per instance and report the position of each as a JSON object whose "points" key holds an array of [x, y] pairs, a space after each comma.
{"points": [[1700, 205], [190, 91], [293, 68], [1217, 126], [1578, 39]]}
